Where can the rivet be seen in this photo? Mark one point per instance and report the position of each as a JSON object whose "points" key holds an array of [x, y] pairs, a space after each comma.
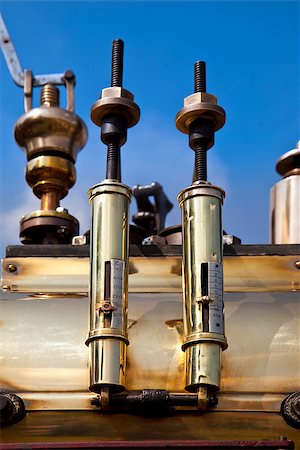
{"points": [[6, 288], [297, 264], [11, 268]]}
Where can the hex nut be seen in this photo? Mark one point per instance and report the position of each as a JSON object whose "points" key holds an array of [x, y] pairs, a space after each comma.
{"points": [[116, 92], [116, 100], [200, 105], [200, 97]]}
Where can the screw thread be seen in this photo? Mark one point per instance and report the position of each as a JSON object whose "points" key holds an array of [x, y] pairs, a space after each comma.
{"points": [[199, 76], [200, 168], [117, 63], [50, 95], [113, 170], [200, 171]]}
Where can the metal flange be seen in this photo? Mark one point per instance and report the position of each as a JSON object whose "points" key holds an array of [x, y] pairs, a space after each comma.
{"points": [[115, 100], [200, 105]]}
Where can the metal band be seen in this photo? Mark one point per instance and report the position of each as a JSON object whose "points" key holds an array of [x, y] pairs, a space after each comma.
{"points": [[108, 187], [197, 190], [198, 338]]}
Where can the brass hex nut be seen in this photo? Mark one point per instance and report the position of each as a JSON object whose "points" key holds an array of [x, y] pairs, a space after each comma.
{"points": [[116, 100], [116, 92], [200, 97], [200, 105]]}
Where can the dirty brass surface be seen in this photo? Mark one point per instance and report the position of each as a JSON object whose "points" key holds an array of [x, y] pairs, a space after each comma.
{"points": [[262, 273], [70, 426], [45, 359], [107, 337]]}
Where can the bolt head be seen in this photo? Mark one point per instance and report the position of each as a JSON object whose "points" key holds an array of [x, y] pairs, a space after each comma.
{"points": [[79, 240], [60, 209], [6, 288], [11, 268], [95, 401], [69, 75], [62, 230]]}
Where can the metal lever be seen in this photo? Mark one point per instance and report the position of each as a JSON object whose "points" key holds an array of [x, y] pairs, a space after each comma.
{"points": [[25, 78], [151, 216]]}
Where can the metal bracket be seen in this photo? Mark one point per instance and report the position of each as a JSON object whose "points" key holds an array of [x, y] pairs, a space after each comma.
{"points": [[25, 79]]}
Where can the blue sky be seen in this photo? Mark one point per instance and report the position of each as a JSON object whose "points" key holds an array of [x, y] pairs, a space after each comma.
{"points": [[252, 55]]}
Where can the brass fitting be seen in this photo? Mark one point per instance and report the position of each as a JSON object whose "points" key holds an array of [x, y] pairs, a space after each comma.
{"points": [[115, 100], [114, 112], [52, 138], [202, 285], [49, 129], [200, 105], [284, 200], [109, 286], [202, 242], [49, 176]]}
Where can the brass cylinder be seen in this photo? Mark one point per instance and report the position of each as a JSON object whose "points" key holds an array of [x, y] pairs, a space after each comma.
{"points": [[50, 174], [108, 285], [285, 200], [50, 201], [202, 285]]}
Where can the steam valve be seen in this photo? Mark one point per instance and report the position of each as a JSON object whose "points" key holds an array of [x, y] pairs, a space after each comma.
{"points": [[52, 137], [201, 203]]}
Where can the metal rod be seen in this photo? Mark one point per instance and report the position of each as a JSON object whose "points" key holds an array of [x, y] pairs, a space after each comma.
{"points": [[113, 162], [117, 63], [200, 172], [199, 76]]}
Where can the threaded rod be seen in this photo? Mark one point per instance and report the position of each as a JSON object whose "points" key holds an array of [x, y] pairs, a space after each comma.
{"points": [[199, 76], [200, 168], [113, 163], [50, 95], [117, 63], [200, 171]]}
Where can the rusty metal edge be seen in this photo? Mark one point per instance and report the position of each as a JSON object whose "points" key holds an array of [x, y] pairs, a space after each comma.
{"points": [[23, 251], [184, 444]]}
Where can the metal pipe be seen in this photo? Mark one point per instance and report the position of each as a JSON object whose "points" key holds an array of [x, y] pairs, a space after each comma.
{"points": [[152, 400], [50, 200], [108, 285]]}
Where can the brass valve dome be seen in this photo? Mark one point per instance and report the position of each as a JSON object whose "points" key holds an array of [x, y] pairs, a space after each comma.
{"points": [[52, 137]]}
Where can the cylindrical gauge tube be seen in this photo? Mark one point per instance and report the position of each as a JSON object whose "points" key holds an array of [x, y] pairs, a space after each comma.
{"points": [[108, 285], [202, 285]]}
